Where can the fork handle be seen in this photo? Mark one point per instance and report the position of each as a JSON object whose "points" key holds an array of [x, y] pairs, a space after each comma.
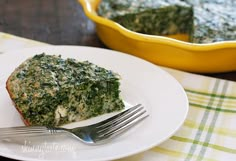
{"points": [[11, 132]]}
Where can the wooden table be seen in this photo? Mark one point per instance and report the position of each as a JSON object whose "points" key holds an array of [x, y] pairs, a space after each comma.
{"points": [[59, 22]]}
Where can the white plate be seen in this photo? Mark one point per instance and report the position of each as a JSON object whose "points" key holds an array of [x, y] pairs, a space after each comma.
{"points": [[142, 82]]}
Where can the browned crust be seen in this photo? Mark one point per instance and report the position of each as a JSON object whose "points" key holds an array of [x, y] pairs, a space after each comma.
{"points": [[26, 122]]}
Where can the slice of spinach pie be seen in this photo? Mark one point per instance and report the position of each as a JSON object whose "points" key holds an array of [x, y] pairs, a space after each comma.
{"points": [[52, 91]]}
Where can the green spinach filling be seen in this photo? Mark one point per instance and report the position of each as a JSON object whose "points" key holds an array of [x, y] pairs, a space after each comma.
{"points": [[53, 91], [149, 16], [205, 21]]}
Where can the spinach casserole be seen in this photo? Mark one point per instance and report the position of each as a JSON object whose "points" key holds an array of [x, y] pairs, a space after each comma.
{"points": [[205, 21], [48, 90]]}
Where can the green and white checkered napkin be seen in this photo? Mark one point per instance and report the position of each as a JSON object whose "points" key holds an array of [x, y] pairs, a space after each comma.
{"points": [[209, 132]]}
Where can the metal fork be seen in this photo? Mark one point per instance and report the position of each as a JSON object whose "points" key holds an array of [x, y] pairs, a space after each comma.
{"points": [[92, 134]]}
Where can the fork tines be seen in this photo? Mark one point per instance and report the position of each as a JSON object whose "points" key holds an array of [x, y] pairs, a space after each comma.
{"points": [[119, 123]]}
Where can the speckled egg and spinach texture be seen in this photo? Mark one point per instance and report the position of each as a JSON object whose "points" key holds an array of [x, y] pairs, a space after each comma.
{"points": [[205, 21], [52, 91], [171, 16]]}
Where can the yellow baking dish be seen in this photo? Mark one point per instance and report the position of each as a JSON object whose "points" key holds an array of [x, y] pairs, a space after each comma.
{"points": [[171, 51]]}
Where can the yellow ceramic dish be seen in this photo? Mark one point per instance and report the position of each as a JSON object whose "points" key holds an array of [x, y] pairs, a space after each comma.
{"points": [[164, 51]]}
